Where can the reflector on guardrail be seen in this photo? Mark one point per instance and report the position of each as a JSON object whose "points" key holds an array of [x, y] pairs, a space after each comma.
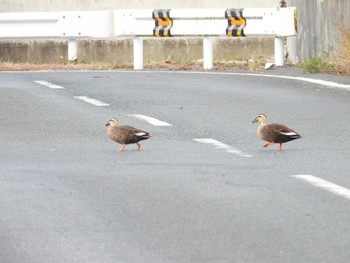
{"points": [[163, 23], [236, 22]]}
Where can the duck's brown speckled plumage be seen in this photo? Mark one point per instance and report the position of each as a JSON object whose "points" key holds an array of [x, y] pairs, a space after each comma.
{"points": [[274, 133], [124, 134]]}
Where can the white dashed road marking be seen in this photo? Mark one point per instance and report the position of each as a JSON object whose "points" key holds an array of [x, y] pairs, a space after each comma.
{"points": [[325, 185], [150, 120], [221, 145], [48, 84], [92, 101]]}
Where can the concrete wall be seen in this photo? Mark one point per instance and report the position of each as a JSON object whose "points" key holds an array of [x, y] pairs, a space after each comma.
{"points": [[119, 51], [178, 50], [318, 25], [38, 52]]}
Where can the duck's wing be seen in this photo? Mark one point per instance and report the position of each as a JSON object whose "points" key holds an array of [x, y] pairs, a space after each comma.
{"points": [[279, 133], [133, 134]]}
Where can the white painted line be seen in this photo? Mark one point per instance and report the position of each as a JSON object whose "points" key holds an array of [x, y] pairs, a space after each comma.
{"points": [[310, 80], [328, 186], [315, 81], [92, 101], [221, 145], [48, 84], [150, 120]]}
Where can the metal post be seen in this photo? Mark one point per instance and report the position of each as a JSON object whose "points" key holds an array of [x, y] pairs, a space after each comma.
{"points": [[138, 53], [208, 52], [72, 49], [279, 51]]}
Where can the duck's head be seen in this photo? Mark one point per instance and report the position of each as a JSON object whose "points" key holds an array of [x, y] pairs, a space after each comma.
{"points": [[112, 122], [260, 118]]}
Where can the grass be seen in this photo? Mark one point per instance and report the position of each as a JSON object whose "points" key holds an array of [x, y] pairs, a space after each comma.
{"points": [[342, 64], [338, 64], [318, 64], [257, 63]]}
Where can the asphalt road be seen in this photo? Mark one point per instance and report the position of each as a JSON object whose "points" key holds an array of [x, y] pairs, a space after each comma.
{"points": [[200, 190]]}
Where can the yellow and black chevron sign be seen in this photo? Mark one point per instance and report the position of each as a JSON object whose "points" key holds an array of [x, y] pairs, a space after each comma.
{"points": [[163, 23], [236, 22]]}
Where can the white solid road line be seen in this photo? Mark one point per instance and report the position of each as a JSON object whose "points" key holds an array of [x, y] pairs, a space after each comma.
{"points": [[310, 80], [48, 84], [150, 120], [315, 81], [92, 101], [328, 186], [221, 145]]}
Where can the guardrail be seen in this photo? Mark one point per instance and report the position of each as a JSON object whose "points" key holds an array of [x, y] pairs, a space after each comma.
{"points": [[66, 25], [209, 23], [138, 23]]}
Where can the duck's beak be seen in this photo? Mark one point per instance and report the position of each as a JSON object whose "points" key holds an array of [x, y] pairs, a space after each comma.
{"points": [[107, 124], [254, 121]]}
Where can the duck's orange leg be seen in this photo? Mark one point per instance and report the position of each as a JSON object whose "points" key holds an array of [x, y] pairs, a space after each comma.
{"points": [[267, 144], [121, 149], [138, 146], [280, 147]]}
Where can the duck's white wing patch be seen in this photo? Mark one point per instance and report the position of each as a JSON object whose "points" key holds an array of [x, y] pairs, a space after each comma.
{"points": [[289, 133], [140, 133]]}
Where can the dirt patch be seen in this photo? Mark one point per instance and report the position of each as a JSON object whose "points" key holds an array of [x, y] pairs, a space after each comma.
{"points": [[8, 66], [167, 65]]}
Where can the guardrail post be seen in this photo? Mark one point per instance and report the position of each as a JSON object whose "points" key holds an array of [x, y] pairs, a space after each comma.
{"points": [[279, 51], [72, 49], [208, 52], [138, 53]]}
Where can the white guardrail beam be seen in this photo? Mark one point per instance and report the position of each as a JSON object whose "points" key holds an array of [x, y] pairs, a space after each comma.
{"points": [[66, 25], [231, 22]]}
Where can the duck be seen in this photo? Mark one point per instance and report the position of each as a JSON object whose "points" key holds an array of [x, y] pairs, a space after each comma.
{"points": [[274, 133], [124, 134]]}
